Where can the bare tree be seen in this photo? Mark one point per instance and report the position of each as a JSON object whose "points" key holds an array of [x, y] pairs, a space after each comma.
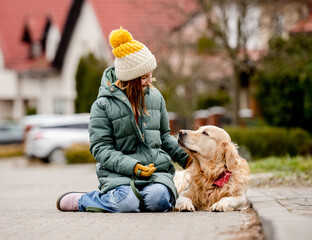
{"points": [[235, 25], [232, 27]]}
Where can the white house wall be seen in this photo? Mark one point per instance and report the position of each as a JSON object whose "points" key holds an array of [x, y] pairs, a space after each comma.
{"points": [[87, 37], [289, 13], [53, 40], [1, 60], [8, 81], [8, 84], [41, 91]]}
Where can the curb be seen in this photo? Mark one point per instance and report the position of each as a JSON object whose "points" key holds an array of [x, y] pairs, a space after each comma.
{"points": [[277, 222]]}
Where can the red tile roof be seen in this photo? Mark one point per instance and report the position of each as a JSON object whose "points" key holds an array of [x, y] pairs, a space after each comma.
{"points": [[36, 25], [143, 18], [304, 26]]}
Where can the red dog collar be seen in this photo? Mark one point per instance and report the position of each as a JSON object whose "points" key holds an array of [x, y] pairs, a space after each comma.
{"points": [[223, 178]]}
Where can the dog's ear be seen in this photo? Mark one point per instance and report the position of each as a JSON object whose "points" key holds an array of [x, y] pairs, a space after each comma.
{"points": [[231, 156], [226, 154], [219, 158]]}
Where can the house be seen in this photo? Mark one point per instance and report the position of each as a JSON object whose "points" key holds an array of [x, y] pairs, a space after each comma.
{"points": [[41, 43], [303, 27]]}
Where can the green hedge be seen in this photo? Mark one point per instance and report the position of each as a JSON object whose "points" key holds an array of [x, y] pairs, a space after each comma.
{"points": [[11, 150], [272, 141], [79, 153], [260, 142]]}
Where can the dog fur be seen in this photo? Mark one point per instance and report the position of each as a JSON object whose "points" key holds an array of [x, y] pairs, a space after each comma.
{"points": [[213, 153]]}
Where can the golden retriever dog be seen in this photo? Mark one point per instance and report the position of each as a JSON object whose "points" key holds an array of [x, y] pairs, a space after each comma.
{"points": [[218, 177]]}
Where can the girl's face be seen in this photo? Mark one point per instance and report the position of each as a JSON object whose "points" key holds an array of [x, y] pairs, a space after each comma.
{"points": [[146, 79]]}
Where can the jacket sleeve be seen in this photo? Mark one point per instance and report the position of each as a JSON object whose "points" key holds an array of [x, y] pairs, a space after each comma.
{"points": [[102, 143], [169, 142]]}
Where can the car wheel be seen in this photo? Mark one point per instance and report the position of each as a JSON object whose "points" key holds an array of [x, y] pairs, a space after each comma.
{"points": [[57, 156]]}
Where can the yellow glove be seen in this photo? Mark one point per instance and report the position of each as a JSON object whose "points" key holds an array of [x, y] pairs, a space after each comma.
{"points": [[189, 161], [145, 171]]}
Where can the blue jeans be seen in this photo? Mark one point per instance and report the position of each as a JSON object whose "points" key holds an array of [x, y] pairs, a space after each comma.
{"points": [[157, 198]]}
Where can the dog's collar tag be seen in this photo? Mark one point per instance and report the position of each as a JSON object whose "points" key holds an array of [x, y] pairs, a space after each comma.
{"points": [[223, 178]]}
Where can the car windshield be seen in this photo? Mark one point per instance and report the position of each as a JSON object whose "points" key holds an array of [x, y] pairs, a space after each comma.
{"points": [[11, 127]]}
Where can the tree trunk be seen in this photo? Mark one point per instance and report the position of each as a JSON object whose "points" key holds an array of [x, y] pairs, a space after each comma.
{"points": [[236, 97]]}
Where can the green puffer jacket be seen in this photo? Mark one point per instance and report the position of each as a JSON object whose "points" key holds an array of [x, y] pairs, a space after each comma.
{"points": [[118, 143]]}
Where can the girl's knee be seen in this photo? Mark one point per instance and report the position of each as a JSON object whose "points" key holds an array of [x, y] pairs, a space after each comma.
{"points": [[123, 200], [129, 205], [157, 198]]}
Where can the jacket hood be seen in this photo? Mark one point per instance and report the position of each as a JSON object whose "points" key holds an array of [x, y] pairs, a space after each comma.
{"points": [[109, 76], [108, 79]]}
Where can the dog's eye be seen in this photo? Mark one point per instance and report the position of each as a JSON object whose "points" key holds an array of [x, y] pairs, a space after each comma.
{"points": [[205, 133]]}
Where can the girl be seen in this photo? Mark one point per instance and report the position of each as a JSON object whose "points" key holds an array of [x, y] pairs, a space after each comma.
{"points": [[130, 138]]}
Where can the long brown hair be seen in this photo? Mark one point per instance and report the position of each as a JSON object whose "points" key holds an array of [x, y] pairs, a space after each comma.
{"points": [[135, 94]]}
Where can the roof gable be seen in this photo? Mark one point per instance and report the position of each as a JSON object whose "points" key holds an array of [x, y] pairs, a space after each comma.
{"points": [[18, 16], [145, 19]]}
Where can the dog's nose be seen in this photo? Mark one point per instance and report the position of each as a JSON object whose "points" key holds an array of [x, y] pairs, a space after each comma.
{"points": [[182, 133]]}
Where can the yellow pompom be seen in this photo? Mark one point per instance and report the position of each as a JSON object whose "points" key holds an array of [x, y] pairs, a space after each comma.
{"points": [[119, 36]]}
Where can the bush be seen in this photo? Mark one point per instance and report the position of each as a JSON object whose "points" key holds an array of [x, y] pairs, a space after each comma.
{"points": [[221, 98], [282, 86], [88, 80], [79, 153], [272, 141]]}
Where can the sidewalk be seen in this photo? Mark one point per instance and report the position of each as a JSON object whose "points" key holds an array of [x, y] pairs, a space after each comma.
{"points": [[285, 213], [29, 192]]}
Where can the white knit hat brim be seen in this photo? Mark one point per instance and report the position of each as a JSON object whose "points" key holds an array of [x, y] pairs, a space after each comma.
{"points": [[135, 64]]}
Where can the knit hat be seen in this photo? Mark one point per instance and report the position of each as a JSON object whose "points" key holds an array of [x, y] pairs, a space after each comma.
{"points": [[133, 59]]}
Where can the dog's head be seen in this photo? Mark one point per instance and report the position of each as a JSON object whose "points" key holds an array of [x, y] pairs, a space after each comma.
{"points": [[210, 146]]}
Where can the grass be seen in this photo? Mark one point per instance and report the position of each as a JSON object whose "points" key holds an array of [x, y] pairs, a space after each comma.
{"points": [[283, 170], [282, 164]]}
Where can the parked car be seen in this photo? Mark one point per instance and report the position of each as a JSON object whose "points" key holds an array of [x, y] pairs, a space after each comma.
{"points": [[11, 133], [47, 139]]}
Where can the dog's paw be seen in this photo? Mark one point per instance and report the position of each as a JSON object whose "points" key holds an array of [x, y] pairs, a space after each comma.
{"points": [[221, 206], [184, 205]]}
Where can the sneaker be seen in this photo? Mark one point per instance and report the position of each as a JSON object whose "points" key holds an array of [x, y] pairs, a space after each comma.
{"points": [[69, 201]]}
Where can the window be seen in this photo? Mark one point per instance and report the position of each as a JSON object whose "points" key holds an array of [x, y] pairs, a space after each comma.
{"points": [[59, 106]]}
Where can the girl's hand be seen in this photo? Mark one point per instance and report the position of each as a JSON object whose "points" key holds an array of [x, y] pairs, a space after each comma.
{"points": [[144, 171]]}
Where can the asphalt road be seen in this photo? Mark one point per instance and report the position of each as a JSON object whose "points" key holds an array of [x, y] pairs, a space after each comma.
{"points": [[27, 204]]}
